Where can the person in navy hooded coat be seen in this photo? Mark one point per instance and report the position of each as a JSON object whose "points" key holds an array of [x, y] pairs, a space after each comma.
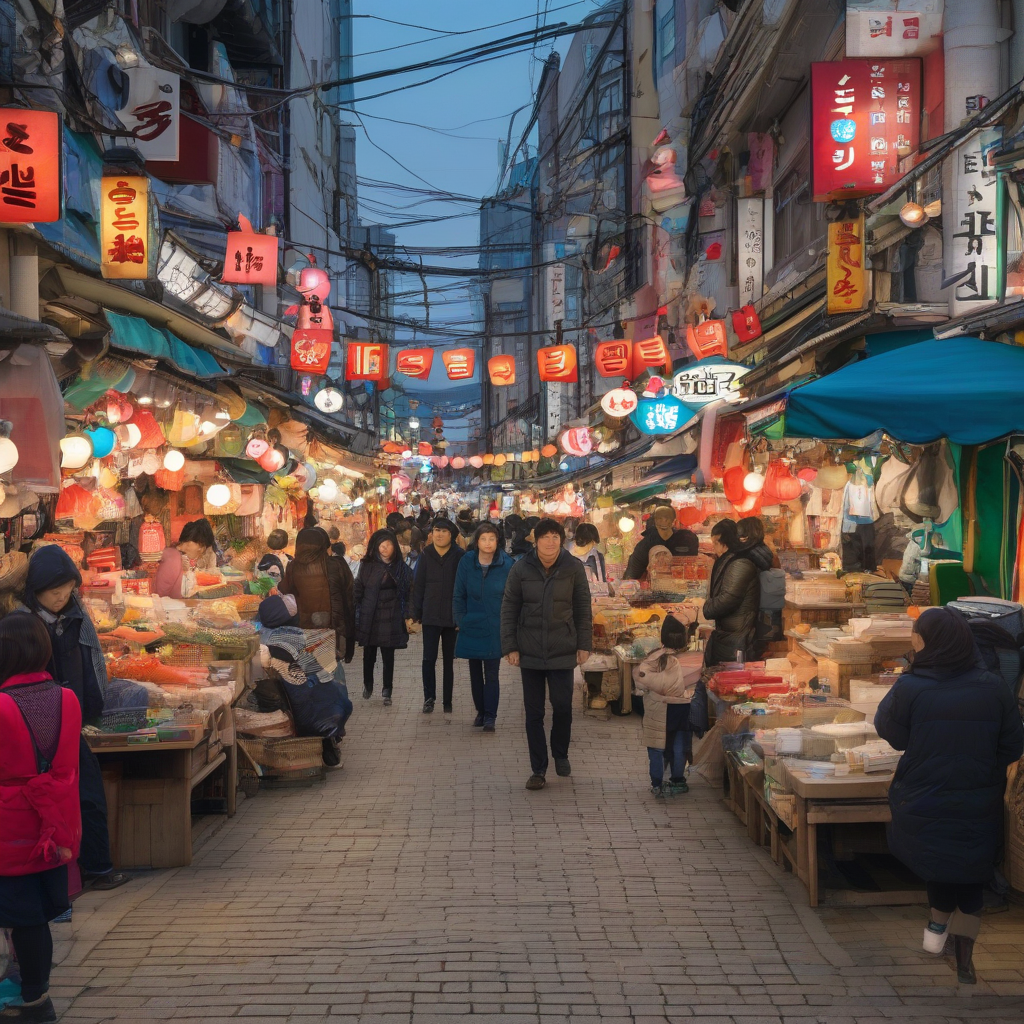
{"points": [[479, 589], [959, 728]]}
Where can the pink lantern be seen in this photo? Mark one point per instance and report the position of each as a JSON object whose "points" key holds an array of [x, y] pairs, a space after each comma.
{"points": [[458, 462], [257, 447], [476, 461], [443, 461], [273, 460]]}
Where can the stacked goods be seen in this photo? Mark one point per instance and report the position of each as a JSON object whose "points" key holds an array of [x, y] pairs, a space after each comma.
{"points": [[816, 589]]}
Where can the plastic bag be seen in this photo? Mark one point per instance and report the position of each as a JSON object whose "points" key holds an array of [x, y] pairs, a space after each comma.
{"points": [[318, 708]]}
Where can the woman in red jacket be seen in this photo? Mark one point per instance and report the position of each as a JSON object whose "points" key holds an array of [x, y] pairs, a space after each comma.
{"points": [[40, 819]]}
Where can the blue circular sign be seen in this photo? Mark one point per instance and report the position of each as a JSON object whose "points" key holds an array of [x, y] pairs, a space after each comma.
{"points": [[844, 130]]}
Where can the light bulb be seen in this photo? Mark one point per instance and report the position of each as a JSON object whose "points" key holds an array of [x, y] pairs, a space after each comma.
{"points": [[753, 483], [407, 454], [218, 495], [626, 524], [913, 215], [414, 423], [359, 501], [75, 451], [174, 461]]}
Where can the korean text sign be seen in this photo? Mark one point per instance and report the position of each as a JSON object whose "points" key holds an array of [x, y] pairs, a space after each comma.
{"points": [[30, 166], [124, 235], [846, 267], [865, 116]]}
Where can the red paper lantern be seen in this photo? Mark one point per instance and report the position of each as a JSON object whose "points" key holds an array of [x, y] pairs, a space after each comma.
{"points": [[460, 363], [557, 363], [30, 166], [707, 339], [614, 358], [311, 350], [746, 323], [415, 362], [650, 353], [424, 448], [366, 360], [732, 481], [780, 485], [250, 258], [690, 515], [501, 370]]}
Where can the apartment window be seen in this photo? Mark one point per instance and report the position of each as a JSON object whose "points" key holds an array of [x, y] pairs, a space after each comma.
{"points": [[664, 33], [796, 216]]}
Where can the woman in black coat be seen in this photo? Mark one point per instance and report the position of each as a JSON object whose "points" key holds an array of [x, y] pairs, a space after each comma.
{"points": [[959, 728], [382, 601], [734, 596]]}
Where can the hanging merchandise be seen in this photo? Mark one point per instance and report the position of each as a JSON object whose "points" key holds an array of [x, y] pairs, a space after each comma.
{"points": [[832, 477], [75, 451], [30, 166], [124, 220], [651, 354], [366, 360], [501, 370], [313, 312], [311, 350], [746, 323], [103, 440], [151, 537], [460, 363], [707, 339], [424, 448], [250, 257], [415, 362], [557, 363], [780, 485], [929, 492], [151, 434], [614, 358]]}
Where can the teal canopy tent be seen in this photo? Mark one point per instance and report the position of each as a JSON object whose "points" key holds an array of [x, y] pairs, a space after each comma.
{"points": [[964, 389], [132, 334]]}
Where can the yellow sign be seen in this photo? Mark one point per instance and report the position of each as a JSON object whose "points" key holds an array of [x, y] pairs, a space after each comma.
{"points": [[124, 213], [847, 273]]}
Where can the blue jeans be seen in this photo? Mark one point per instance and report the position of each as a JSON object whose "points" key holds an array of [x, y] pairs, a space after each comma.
{"points": [[483, 680], [674, 754]]}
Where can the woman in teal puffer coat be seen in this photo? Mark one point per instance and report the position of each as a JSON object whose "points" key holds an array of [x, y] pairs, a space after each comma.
{"points": [[479, 588]]}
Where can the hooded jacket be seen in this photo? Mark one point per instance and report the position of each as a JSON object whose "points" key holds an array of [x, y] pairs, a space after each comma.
{"points": [[546, 615], [958, 734], [434, 584], [40, 815], [665, 679], [733, 601], [50, 566], [479, 590]]}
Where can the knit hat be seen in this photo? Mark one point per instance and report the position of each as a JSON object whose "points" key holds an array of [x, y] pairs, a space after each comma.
{"points": [[444, 523], [50, 566]]}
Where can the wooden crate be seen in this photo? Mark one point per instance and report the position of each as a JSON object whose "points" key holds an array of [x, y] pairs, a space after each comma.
{"points": [[837, 675]]}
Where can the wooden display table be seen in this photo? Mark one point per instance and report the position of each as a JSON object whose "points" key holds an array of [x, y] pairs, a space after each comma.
{"points": [[149, 794]]}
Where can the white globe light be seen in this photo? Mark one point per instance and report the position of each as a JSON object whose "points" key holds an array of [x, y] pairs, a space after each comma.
{"points": [[414, 423], [329, 400], [218, 495], [626, 524], [174, 460], [128, 436], [359, 501], [75, 451], [753, 483], [407, 454], [8, 455]]}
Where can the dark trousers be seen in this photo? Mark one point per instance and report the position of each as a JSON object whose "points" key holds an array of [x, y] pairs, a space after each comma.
{"points": [[559, 686], [34, 949], [387, 656], [859, 549], [483, 680], [946, 897], [445, 637], [94, 855]]}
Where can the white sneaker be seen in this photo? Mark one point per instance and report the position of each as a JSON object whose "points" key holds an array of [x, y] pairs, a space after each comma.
{"points": [[935, 937]]}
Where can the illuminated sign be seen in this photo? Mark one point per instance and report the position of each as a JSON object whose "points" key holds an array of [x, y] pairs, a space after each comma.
{"points": [[707, 382], [707, 339], [366, 360], [614, 358], [153, 112], [847, 290], [501, 370], [557, 363], [250, 258], [619, 402], [866, 116], [415, 362], [663, 415], [311, 350], [124, 235], [460, 363], [30, 166]]}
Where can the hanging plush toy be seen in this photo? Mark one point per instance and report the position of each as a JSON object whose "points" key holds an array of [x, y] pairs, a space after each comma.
{"points": [[313, 312]]}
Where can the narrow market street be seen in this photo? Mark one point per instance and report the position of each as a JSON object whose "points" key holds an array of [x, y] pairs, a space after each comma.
{"points": [[422, 883]]}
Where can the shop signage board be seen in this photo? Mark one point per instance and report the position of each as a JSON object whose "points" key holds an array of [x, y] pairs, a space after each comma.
{"points": [[311, 350], [30, 166], [554, 277], [124, 227], [663, 415], [576, 441], [865, 117], [709, 381], [750, 249], [459, 363], [847, 283], [614, 358], [250, 257], [893, 28], [501, 370], [557, 364], [415, 362], [366, 360], [970, 257], [153, 114]]}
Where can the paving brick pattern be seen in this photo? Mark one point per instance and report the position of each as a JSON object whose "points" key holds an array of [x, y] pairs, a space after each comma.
{"points": [[422, 883]]}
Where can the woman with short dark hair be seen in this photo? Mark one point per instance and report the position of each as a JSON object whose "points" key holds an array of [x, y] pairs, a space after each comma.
{"points": [[959, 728], [41, 825], [585, 549], [196, 549], [734, 596]]}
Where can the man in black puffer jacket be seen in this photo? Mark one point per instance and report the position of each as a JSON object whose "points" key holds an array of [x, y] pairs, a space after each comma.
{"points": [[433, 590], [547, 630], [734, 596]]}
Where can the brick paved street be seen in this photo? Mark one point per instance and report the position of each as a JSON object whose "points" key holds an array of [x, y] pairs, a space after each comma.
{"points": [[423, 883]]}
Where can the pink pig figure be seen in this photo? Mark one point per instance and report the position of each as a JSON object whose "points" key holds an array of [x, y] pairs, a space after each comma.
{"points": [[654, 387], [314, 286]]}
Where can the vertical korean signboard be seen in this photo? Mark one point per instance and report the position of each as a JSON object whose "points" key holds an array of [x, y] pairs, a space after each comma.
{"points": [[30, 166], [970, 256], [153, 112], [866, 116], [750, 249], [124, 230], [847, 274], [555, 294]]}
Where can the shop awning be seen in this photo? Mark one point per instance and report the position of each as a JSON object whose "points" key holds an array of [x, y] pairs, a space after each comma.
{"points": [[131, 334], [964, 389], [659, 478]]}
